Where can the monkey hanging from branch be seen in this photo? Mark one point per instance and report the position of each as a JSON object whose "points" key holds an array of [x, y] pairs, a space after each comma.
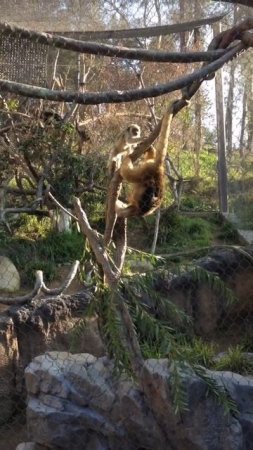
{"points": [[147, 177]]}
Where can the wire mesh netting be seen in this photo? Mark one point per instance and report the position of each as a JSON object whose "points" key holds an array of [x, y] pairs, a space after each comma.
{"points": [[165, 360], [23, 61]]}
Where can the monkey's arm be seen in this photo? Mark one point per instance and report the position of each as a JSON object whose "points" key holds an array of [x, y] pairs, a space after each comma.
{"points": [[163, 138]]}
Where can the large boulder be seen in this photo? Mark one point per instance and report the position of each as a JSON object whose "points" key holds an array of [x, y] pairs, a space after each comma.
{"points": [[75, 401], [201, 298], [30, 330], [9, 276]]}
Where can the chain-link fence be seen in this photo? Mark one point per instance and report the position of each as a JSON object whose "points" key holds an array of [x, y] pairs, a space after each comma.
{"points": [[165, 360]]}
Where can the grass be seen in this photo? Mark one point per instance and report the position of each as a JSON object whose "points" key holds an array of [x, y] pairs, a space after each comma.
{"points": [[182, 232], [234, 359]]}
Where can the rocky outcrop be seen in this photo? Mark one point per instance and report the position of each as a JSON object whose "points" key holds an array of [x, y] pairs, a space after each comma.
{"points": [[9, 276], [8, 367], [201, 301], [30, 330], [74, 401]]}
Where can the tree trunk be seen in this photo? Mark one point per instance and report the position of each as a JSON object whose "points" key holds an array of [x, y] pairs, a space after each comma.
{"points": [[243, 123], [229, 111], [250, 113], [198, 131]]}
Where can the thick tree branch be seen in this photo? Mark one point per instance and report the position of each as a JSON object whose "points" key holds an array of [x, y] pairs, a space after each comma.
{"points": [[240, 2], [93, 98], [112, 275]]}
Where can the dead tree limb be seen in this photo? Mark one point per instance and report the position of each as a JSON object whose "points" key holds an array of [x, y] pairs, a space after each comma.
{"points": [[112, 274], [40, 287], [70, 277]]}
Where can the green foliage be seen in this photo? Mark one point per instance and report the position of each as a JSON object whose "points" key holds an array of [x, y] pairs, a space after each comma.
{"points": [[236, 361], [179, 395], [30, 227], [106, 307], [217, 390], [198, 352], [180, 232], [53, 148], [28, 273]]}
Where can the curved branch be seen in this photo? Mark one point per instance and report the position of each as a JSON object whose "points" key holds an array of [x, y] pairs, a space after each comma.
{"points": [[93, 98], [65, 284], [28, 297], [41, 287]]}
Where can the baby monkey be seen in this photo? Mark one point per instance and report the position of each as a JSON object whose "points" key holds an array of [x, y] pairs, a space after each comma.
{"points": [[124, 146], [146, 178]]}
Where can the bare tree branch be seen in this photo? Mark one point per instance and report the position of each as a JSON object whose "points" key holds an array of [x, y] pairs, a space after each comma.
{"points": [[70, 277], [50, 195], [41, 287], [112, 275], [28, 297], [93, 98], [27, 210]]}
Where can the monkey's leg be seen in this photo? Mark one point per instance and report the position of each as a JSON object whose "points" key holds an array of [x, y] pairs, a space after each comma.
{"points": [[122, 210], [129, 172]]}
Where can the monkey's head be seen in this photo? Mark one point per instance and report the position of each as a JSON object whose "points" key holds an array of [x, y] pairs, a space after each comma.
{"points": [[133, 131]]}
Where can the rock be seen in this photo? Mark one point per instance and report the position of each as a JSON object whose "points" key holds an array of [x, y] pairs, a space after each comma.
{"points": [[75, 401], [8, 364], [205, 305], [27, 331], [9, 276], [31, 446], [49, 325]]}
